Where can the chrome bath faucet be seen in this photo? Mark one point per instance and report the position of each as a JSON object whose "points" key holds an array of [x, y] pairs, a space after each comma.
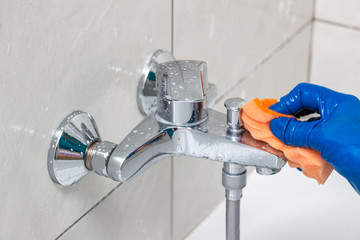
{"points": [[176, 97]]}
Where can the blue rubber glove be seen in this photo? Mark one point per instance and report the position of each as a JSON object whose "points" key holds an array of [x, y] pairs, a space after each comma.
{"points": [[336, 135]]}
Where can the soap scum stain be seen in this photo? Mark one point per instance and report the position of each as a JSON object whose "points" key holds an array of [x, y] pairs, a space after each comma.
{"points": [[116, 35], [212, 27], [114, 68], [8, 49], [18, 128]]}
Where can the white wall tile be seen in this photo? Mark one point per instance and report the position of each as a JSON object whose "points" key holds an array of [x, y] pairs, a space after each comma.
{"points": [[336, 58], [300, 210], [56, 57], [339, 11]]}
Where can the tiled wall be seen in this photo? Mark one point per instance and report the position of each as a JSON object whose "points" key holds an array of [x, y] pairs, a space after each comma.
{"points": [[60, 56], [336, 48]]}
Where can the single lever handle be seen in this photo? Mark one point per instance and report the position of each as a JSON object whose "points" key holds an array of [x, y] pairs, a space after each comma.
{"points": [[196, 85], [182, 80], [182, 88]]}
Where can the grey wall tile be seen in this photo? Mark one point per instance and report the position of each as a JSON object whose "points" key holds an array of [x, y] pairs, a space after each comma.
{"points": [[235, 36], [281, 73], [197, 190], [57, 57], [139, 209], [339, 11]]}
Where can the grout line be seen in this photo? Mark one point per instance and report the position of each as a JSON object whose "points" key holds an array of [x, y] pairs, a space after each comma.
{"points": [[172, 27], [172, 198], [355, 28], [265, 59], [207, 215], [172, 159], [249, 171], [314, 10], [92, 208], [310, 59]]}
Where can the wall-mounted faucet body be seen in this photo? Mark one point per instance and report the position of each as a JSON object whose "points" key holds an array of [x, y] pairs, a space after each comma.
{"points": [[183, 124]]}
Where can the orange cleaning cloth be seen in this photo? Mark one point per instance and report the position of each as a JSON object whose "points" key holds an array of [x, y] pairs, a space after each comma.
{"points": [[257, 116]]}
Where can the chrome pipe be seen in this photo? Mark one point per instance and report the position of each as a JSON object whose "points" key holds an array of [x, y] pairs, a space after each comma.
{"points": [[233, 180], [232, 219], [233, 175]]}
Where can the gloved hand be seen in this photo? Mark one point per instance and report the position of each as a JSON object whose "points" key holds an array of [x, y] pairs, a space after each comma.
{"points": [[336, 135]]}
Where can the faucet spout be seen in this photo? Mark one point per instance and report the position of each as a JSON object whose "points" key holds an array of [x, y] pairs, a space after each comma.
{"points": [[148, 143], [152, 141]]}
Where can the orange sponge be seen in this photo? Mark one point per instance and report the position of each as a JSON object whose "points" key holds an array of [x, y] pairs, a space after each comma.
{"points": [[257, 116]]}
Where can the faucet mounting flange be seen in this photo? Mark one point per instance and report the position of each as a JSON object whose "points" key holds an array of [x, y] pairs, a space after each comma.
{"points": [[67, 151], [146, 89]]}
